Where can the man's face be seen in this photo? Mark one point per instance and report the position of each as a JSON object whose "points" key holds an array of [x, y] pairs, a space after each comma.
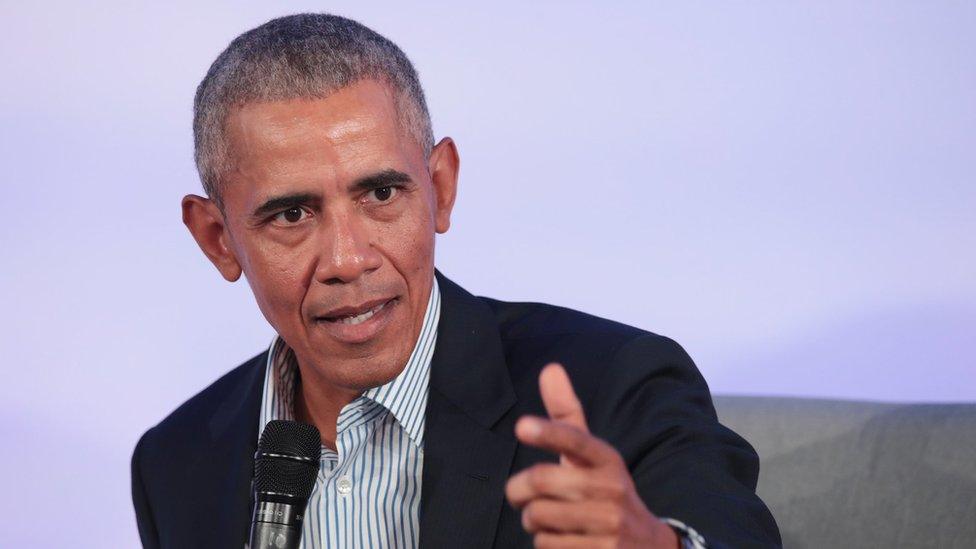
{"points": [[330, 211]]}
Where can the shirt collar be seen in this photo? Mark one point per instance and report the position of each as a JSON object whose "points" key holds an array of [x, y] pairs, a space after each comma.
{"points": [[405, 396]]}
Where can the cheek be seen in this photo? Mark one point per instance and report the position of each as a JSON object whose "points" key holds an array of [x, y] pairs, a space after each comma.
{"points": [[278, 278], [408, 242]]}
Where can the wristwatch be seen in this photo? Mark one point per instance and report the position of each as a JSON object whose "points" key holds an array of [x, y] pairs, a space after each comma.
{"points": [[690, 539]]}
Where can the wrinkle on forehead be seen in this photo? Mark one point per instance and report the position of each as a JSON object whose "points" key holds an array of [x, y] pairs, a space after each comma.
{"points": [[362, 106], [361, 111]]}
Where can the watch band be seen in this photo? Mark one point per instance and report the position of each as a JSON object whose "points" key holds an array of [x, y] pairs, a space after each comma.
{"points": [[690, 539]]}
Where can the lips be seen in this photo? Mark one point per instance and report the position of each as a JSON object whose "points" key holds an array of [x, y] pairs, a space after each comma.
{"points": [[357, 324], [359, 315], [340, 313]]}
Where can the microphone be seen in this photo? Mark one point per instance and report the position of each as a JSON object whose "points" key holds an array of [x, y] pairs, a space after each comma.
{"points": [[285, 467]]}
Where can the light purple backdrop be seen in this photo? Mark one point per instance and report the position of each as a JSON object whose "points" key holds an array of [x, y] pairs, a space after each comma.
{"points": [[787, 190]]}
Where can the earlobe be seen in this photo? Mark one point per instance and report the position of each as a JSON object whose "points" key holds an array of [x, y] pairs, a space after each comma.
{"points": [[444, 167], [206, 223]]}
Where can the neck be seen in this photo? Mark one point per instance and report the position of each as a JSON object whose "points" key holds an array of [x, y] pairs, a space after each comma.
{"points": [[319, 405]]}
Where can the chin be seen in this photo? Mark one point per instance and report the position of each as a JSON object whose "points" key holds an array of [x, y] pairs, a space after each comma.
{"points": [[346, 359], [364, 374]]}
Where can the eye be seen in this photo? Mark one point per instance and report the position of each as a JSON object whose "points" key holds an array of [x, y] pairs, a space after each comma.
{"points": [[382, 194], [291, 215]]}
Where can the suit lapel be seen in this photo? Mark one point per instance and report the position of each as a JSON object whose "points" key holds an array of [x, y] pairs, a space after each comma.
{"points": [[234, 432], [466, 463]]}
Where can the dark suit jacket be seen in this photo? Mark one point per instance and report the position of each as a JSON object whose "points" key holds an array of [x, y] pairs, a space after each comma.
{"points": [[191, 473]]}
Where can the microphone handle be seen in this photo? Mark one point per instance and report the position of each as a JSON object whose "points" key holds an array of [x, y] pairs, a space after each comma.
{"points": [[275, 526], [268, 535]]}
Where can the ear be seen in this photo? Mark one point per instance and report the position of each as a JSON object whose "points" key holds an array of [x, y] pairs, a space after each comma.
{"points": [[444, 165], [207, 225]]}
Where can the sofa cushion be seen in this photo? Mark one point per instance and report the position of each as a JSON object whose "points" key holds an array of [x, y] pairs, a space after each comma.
{"points": [[862, 474]]}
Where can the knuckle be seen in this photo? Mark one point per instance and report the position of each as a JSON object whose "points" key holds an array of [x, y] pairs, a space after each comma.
{"points": [[539, 478], [614, 519], [616, 460], [617, 487], [611, 489], [580, 442]]}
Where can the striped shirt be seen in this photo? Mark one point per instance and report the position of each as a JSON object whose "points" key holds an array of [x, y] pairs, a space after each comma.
{"points": [[368, 490]]}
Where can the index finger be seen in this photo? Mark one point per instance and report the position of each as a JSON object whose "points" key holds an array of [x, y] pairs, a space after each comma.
{"points": [[559, 397], [580, 447]]}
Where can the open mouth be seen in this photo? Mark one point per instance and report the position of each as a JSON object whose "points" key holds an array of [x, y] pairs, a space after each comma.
{"points": [[358, 317]]}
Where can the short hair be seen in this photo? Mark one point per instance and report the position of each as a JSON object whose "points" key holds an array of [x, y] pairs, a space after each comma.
{"points": [[302, 56]]}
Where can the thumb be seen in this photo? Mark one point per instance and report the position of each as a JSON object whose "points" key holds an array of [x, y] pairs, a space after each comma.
{"points": [[559, 398]]}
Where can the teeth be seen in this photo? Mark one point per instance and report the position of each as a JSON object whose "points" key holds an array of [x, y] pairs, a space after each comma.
{"points": [[359, 319]]}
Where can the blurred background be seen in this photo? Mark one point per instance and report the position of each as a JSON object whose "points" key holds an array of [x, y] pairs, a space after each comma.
{"points": [[785, 189]]}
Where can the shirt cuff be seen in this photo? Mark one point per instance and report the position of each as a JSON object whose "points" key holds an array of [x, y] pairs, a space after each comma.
{"points": [[689, 538]]}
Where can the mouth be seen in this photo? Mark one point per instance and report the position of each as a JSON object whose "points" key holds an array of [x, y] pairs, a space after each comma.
{"points": [[362, 314], [358, 323]]}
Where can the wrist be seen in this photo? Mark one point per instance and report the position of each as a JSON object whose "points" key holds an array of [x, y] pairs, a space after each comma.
{"points": [[666, 536]]}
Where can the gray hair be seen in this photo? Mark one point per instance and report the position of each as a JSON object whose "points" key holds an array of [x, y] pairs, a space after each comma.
{"points": [[303, 56]]}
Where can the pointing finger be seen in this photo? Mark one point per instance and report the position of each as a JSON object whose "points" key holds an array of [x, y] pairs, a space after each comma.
{"points": [[559, 397]]}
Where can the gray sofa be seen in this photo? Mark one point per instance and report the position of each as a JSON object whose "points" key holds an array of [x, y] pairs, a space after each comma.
{"points": [[862, 474]]}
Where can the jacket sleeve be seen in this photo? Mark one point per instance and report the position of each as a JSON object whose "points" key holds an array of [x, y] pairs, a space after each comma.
{"points": [[658, 413], [144, 516]]}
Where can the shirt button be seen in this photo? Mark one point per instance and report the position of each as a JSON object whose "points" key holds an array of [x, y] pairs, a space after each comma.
{"points": [[344, 486]]}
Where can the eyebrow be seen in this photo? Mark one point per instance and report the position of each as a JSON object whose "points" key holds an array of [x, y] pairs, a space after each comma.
{"points": [[284, 202], [367, 183], [379, 180]]}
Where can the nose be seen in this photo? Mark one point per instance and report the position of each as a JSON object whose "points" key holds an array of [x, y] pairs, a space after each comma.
{"points": [[349, 252]]}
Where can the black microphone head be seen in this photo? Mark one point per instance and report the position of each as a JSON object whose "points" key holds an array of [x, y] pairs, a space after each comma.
{"points": [[287, 461], [292, 438]]}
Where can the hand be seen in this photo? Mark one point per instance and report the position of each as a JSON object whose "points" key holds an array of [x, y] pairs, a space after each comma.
{"points": [[589, 498]]}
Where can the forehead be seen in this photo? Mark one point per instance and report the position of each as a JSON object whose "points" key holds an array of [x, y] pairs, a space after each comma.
{"points": [[350, 130]]}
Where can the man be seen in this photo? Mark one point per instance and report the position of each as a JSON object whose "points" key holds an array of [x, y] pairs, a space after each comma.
{"points": [[447, 420]]}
